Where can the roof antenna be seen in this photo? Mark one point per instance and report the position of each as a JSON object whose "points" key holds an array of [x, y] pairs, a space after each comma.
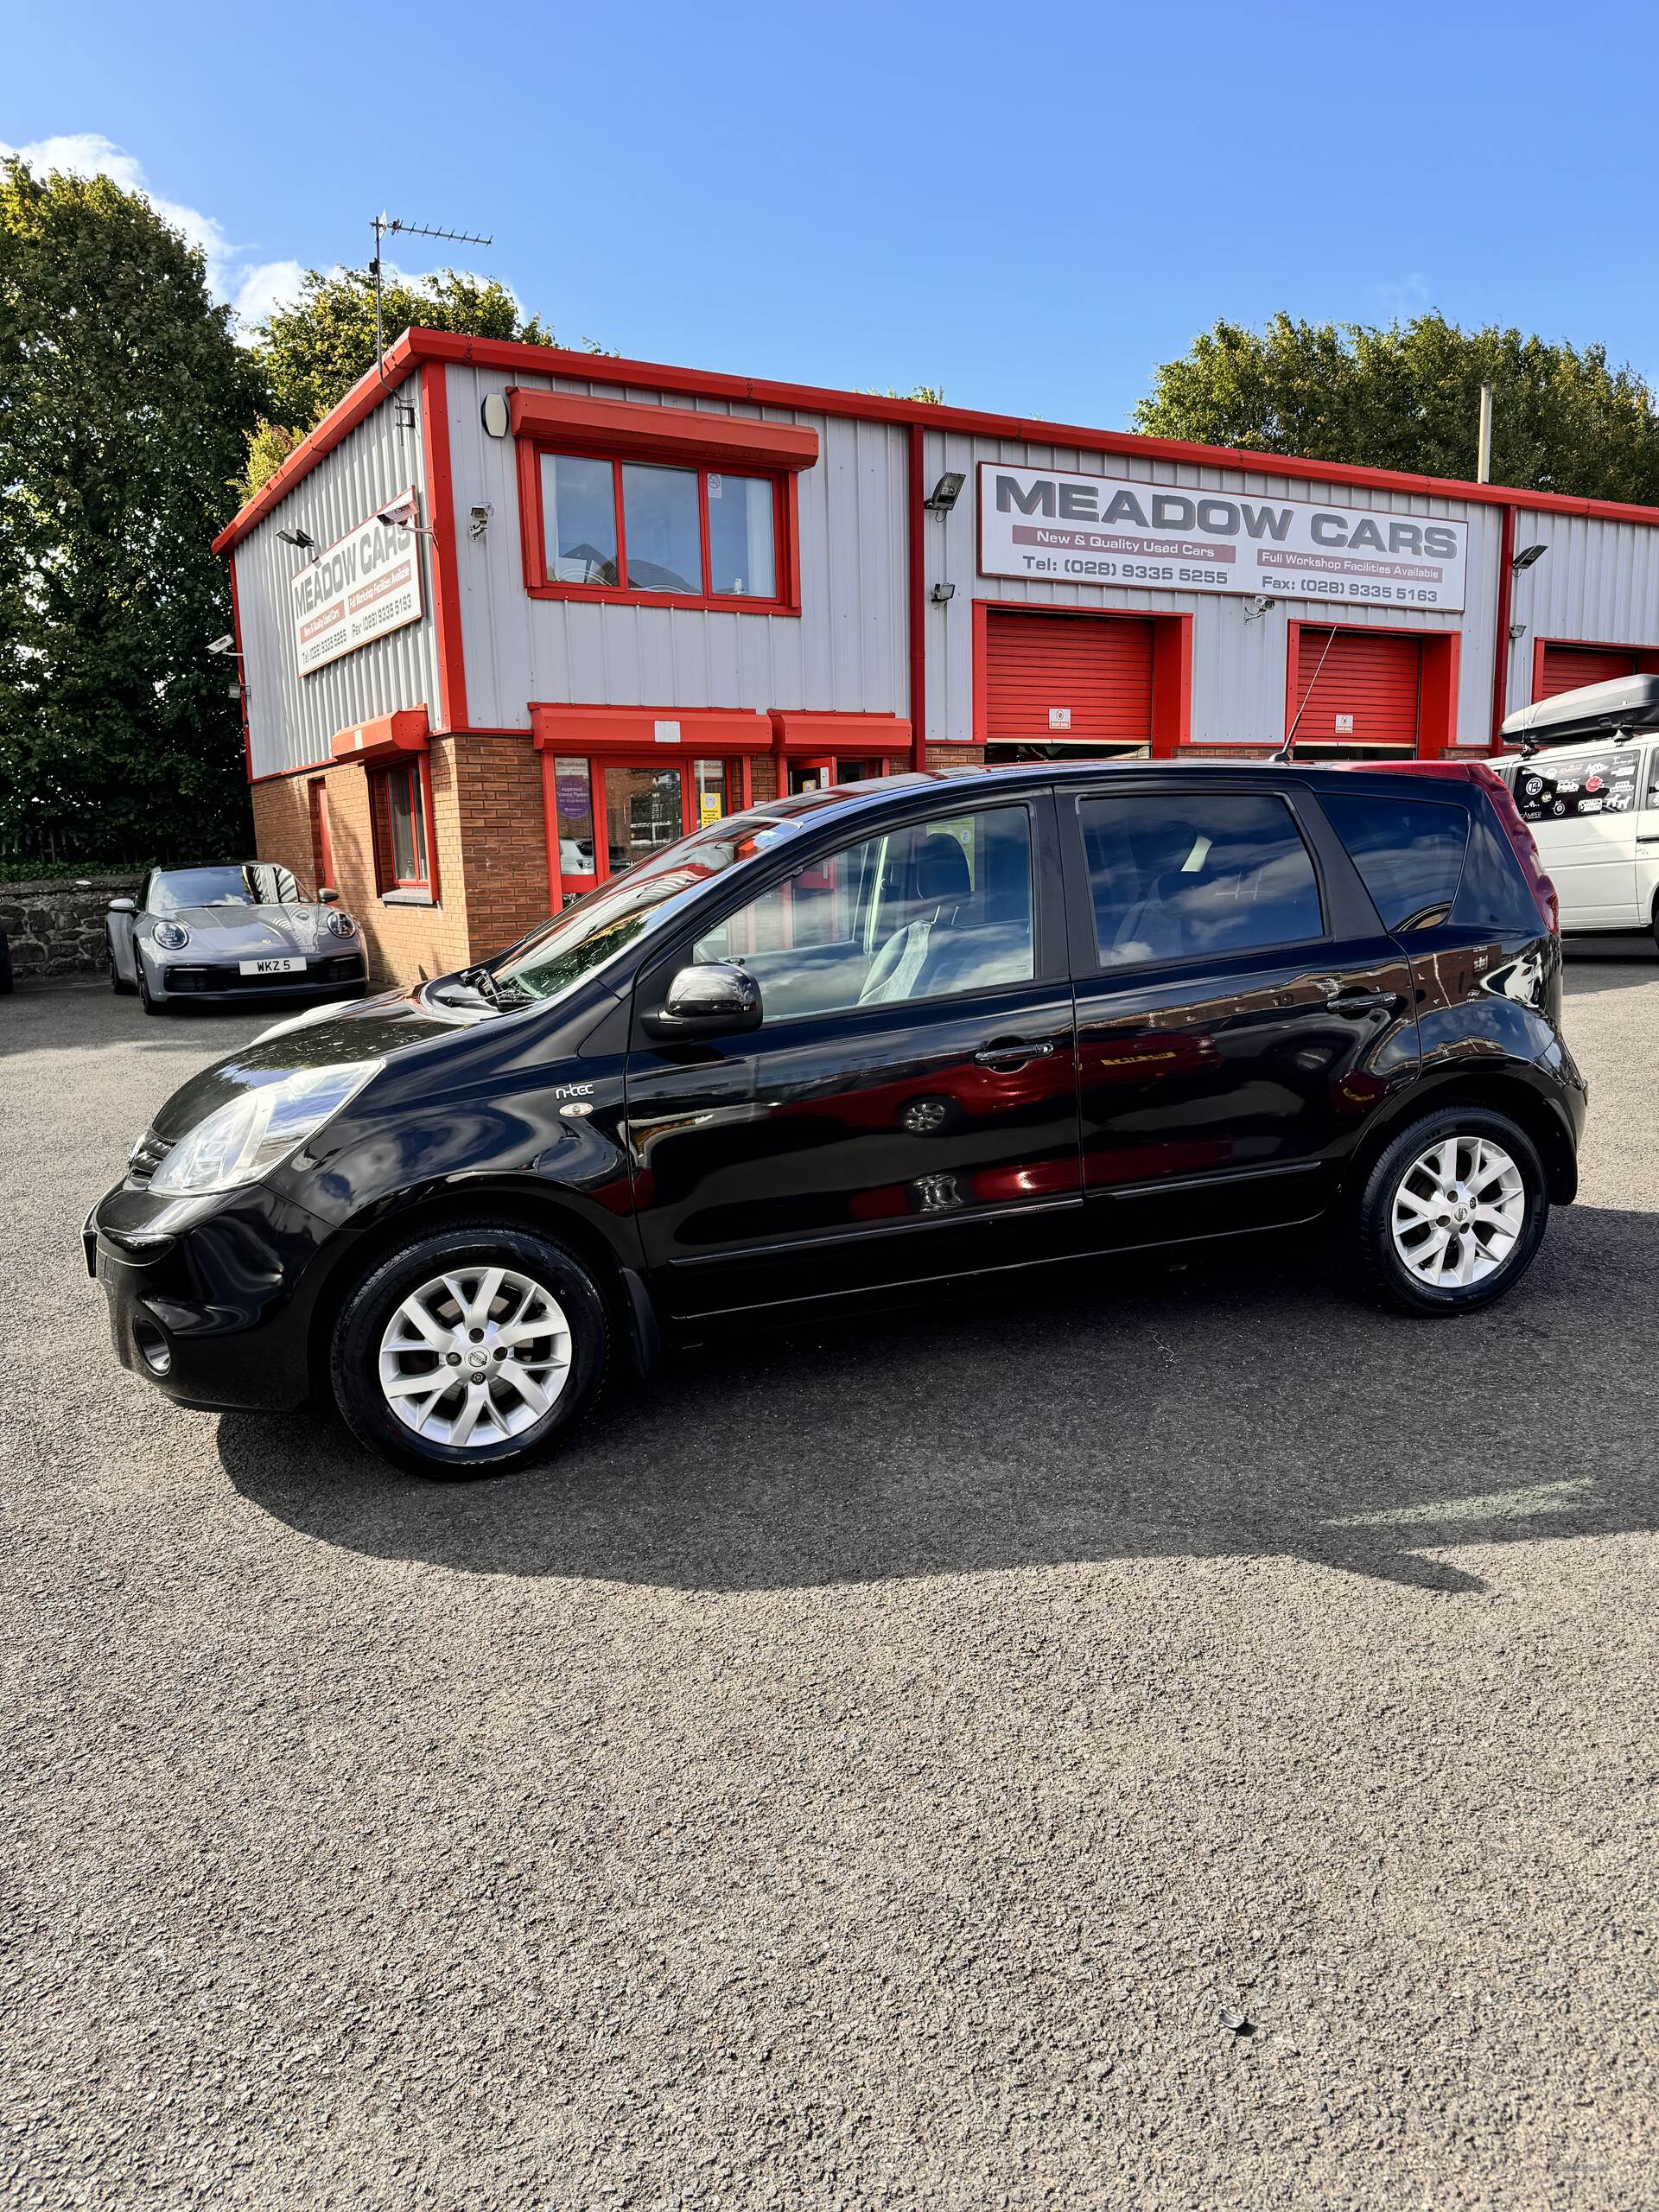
{"points": [[1283, 753], [384, 226]]}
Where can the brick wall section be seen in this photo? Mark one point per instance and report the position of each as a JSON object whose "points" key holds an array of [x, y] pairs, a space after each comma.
{"points": [[503, 835], [955, 756]]}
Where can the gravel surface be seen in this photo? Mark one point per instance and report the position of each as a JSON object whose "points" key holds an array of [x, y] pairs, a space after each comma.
{"points": [[1179, 1739]]}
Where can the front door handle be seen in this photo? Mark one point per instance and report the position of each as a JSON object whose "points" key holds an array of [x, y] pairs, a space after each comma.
{"points": [[1014, 1051]]}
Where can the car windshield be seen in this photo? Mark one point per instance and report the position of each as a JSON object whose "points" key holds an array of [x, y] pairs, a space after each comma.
{"points": [[258, 883], [646, 897]]}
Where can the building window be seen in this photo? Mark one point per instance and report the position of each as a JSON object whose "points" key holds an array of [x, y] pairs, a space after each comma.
{"points": [[322, 843], [399, 809], [645, 531]]}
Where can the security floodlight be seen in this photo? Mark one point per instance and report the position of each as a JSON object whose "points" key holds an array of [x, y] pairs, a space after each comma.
{"points": [[1526, 556], [943, 593], [945, 492], [225, 644], [300, 537]]}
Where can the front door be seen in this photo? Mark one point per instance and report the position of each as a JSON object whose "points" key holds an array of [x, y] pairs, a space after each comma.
{"points": [[1240, 1013], [907, 1107]]}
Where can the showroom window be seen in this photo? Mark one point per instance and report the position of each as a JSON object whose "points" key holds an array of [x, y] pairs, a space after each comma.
{"points": [[402, 859], [656, 530], [920, 912], [1178, 879]]}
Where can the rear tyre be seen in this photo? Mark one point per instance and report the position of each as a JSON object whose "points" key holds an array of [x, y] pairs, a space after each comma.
{"points": [[117, 984], [470, 1351], [5, 966], [1454, 1212]]}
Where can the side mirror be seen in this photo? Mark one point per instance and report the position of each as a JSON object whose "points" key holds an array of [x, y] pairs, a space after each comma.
{"points": [[326, 895], [123, 906], [716, 1000]]}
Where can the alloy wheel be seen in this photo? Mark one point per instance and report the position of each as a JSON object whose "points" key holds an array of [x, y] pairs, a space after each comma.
{"points": [[1457, 1211], [474, 1356]]}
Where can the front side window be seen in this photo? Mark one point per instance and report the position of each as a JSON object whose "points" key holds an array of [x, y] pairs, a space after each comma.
{"points": [[1185, 876], [1409, 852], [646, 527], [934, 908]]}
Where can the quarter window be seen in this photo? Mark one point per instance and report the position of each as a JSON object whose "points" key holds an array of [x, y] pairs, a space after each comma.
{"points": [[647, 529], [934, 908], [1180, 878], [1409, 852]]}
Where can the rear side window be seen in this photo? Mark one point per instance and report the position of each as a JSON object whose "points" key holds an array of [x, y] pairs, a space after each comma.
{"points": [[1408, 851], [1566, 790], [1180, 877]]}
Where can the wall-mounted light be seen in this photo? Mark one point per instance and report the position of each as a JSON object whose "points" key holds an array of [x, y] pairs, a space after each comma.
{"points": [[942, 592], [1518, 631], [1526, 556], [495, 415], [945, 492], [303, 538]]}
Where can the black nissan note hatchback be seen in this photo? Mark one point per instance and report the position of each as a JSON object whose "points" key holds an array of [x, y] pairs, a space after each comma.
{"points": [[856, 1041]]}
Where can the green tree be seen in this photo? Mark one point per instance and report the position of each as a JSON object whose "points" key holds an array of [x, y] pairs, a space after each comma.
{"points": [[311, 354], [1407, 395], [125, 400]]}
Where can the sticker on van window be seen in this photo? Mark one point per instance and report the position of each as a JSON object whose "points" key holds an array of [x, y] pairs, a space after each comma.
{"points": [[1604, 784]]}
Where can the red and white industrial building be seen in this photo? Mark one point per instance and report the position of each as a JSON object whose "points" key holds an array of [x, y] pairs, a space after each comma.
{"points": [[612, 600]]}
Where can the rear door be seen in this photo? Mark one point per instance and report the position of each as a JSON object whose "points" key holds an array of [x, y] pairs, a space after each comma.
{"points": [[1582, 807], [907, 1107], [1241, 1012]]}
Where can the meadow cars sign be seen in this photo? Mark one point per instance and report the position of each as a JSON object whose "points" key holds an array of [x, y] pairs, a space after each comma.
{"points": [[1038, 523], [366, 584]]}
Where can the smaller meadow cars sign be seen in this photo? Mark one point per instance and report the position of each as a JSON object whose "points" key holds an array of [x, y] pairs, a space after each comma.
{"points": [[1105, 529], [366, 584]]}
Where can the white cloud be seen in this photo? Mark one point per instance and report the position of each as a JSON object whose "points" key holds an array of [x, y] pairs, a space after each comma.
{"points": [[1406, 299], [252, 288]]}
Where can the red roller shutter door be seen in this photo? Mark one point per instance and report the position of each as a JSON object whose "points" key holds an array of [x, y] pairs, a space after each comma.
{"points": [[1097, 668], [1375, 678], [1566, 667]]}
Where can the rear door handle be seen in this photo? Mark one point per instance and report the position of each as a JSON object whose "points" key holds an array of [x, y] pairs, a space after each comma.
{"points": [[1014, 1051], [1358, 1001]]}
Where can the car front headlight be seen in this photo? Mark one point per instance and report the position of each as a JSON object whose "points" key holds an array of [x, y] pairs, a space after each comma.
{"points": [[172, 936], [339, 925], [242, 1141]]}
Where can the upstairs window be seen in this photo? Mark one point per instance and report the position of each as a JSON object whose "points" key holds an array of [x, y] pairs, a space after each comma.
{"points": [[647, 529]]}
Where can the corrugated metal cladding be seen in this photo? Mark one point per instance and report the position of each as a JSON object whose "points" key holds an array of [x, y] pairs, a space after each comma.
{"points": [[1238, 660], [1097, 674], [1597, 580], [1377, 681], [292, 720], [845, 652]]}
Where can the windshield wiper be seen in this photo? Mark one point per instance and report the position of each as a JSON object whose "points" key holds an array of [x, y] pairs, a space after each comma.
{"points": [[480, 980]]}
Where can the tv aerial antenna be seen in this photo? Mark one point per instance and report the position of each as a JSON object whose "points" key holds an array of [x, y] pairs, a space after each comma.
{"points": [[385, 226]]}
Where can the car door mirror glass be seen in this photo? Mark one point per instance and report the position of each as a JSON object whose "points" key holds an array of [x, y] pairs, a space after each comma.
{"points": [[327, 896], [718, 999]]}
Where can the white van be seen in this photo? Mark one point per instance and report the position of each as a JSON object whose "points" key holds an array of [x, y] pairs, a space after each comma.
{"points": [[1590, 795]]}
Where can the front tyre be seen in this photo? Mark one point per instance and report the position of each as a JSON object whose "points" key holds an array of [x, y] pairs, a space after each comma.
{"points": [[150, 1005], [1454, 1212], [470, 1350]]}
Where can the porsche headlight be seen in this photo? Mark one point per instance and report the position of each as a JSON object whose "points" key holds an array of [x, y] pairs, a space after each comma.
{"points": [[172, 936], [244, 1139], [339, 925]]}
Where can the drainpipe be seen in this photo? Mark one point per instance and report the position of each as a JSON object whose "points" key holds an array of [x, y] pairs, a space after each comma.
{"points": [[916, 543], [1505, 583]]}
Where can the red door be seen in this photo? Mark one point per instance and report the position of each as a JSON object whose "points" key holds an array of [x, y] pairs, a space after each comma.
{"points": [[1566, 667], [1056, 677], [1358, 687]]}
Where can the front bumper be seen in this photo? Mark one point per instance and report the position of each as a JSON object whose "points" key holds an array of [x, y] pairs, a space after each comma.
{"points": [[220, 980], [210, 1301]]}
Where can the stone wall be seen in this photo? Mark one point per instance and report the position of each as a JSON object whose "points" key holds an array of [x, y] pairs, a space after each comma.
{"points": [[57, 928]]}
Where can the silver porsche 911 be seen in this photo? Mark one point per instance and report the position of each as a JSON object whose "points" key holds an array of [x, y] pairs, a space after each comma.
{"points": [[239, 931]]}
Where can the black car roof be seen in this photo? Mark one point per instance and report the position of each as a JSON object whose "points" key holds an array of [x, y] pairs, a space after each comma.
{"points": [[973, 777]]}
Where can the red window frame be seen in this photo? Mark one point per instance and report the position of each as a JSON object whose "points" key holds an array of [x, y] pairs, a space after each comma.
{"points": [[563, 885], [414, 774], [785, 530]]}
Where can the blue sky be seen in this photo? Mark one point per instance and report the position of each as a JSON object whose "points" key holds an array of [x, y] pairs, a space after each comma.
{"points": [[1031, 206]]}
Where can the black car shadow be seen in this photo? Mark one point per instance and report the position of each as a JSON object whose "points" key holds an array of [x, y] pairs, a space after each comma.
{"points": [[1245, 1407]]}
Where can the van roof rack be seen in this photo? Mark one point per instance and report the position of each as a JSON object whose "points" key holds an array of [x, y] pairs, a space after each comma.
{"points": [[1628, 703]]}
